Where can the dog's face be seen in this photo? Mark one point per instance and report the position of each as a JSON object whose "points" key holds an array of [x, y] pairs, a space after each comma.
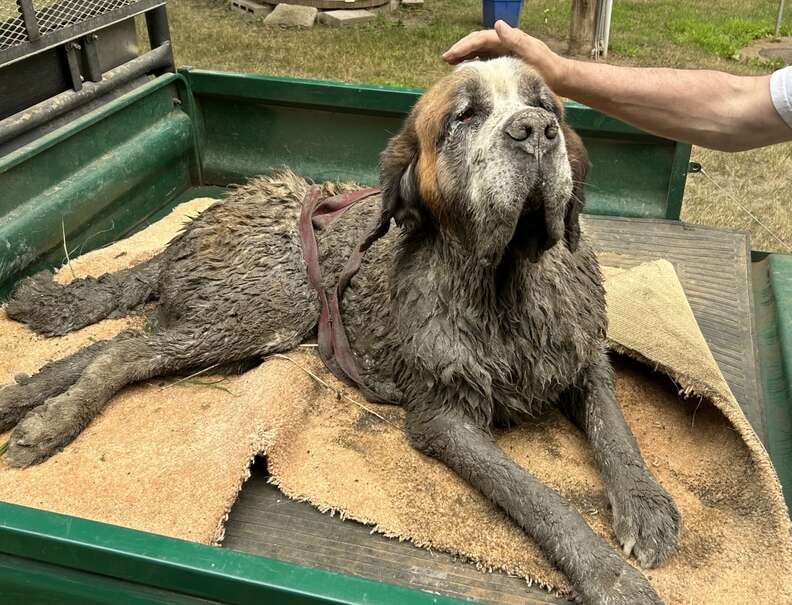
{"points": [[486, 154]]}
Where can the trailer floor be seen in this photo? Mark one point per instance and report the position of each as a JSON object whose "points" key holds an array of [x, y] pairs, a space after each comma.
{"points": [[714, 268]]}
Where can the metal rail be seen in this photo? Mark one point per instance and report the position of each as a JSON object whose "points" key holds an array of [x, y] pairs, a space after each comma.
{"points": [[30, 31], [151, 62], [63, 37], [602, 28]]}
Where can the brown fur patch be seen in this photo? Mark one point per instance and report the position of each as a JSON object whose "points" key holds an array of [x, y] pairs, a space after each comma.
{"points": [[430, 113], [576, 152]]}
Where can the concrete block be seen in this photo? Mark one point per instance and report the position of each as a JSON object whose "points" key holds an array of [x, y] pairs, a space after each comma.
{"points": [[344, 18], [289, 15], [412, 3], [250, 8]]}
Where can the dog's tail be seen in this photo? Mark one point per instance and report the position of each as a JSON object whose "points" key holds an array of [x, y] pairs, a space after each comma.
{"points": [[54, 309]]}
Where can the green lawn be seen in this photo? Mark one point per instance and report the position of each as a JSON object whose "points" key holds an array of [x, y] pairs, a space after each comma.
{"points": [[403, 49]]}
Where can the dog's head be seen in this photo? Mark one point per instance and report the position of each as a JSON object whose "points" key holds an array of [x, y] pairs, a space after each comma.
{"points": [[486, 155]]}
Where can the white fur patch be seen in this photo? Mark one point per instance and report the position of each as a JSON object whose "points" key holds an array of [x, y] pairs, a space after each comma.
{"points": [[496, 182]]}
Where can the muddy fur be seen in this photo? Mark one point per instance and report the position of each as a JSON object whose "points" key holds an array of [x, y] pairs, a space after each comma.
{"points": [[482, 308], [52, 310]]}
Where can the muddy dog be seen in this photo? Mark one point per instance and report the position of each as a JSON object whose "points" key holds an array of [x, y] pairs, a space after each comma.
{"points": [[484, 307]]}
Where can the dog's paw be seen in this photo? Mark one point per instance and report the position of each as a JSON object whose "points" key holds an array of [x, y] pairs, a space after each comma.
{"points": [[28, 393], [30, 441], [622, 586], [645, 519], [14, 404], [41, 433]]}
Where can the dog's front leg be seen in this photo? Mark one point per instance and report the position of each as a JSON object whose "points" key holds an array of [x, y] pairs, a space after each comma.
{"points": [[597, 572], [645, 519]]}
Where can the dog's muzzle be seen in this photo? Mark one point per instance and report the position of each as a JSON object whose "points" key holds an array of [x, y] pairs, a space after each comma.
{"points": [[534, 133], [539, 229]]}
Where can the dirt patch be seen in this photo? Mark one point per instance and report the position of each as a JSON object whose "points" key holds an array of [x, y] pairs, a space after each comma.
{"points": [[775, 48]]}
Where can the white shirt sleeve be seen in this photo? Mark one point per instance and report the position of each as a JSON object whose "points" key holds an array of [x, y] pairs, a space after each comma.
{"points": [[781, 93]]}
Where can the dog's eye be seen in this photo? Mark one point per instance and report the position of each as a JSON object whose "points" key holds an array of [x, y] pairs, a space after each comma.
{"points": [[465, 116]]}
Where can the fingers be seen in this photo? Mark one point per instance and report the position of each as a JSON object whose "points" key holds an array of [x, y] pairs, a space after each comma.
{"points": [[512, 39], [502, 40], [484, 43], [508, 35]]}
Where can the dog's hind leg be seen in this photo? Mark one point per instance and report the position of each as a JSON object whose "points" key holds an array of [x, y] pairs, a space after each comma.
{"points": [[54, 378], [56, 422], [54, 309]]}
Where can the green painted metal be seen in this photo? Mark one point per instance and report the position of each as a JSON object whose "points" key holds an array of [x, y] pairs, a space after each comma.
{"points": [[183, 569], [780, 270], [780, 276], [680, 166], [30, 583], [772, 298], [330, 130], [94, 180]]}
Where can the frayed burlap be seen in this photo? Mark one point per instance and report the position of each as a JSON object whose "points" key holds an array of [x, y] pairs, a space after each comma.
{"points": [[171, 457]]}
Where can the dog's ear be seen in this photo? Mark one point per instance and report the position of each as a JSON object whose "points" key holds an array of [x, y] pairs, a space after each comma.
{"points": [[399, 182], [579, 163]]}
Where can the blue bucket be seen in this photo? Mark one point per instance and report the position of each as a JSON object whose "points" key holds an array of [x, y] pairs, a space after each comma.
{"points": [[506, 10]]}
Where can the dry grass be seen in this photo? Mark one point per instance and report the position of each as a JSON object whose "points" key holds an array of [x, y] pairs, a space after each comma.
{"points": [[760, 179], [403, 50]]}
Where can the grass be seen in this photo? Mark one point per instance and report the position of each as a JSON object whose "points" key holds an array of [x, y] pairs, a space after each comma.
{"points": [[723, 38], [403, 49], [760, 180]]}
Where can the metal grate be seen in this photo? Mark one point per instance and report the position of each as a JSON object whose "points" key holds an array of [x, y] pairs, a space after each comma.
{"points": [[53, 14], [50, 16], [12, 26]]}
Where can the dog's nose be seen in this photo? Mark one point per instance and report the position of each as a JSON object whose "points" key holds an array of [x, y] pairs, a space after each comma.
{"points": [[532, 128]]}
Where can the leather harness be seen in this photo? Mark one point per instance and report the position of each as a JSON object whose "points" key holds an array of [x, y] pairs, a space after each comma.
{"points": [[334, 348]]}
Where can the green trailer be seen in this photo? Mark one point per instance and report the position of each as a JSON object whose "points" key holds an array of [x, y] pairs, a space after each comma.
{"points": [[98, 140]]}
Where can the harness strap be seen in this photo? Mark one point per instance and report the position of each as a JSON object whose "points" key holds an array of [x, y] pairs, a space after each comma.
{"points": [[334, 348]]}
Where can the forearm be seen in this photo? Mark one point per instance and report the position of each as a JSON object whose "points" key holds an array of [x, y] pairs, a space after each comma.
{"points": [[707, 108]]}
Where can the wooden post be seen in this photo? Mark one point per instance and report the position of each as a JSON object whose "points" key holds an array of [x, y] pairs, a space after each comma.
{"points": [[581, 30]]}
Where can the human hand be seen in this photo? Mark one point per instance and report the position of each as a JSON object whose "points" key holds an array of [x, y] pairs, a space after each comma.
{"points": [[507, 40]]}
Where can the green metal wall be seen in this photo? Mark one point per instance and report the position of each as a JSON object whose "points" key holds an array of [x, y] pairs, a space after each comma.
{"points": [[55, 559], [336, 131], [94, 180]]}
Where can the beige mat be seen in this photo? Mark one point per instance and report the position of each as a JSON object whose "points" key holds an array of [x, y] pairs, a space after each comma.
{"points": [[170, 458]]}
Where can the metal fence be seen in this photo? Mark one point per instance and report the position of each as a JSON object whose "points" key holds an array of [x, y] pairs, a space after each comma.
{"points": [[52, 15], [12, 25], [32, 23]]}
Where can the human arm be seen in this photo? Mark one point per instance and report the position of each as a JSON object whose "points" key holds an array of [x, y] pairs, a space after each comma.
{"points": [[708, 108]]}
